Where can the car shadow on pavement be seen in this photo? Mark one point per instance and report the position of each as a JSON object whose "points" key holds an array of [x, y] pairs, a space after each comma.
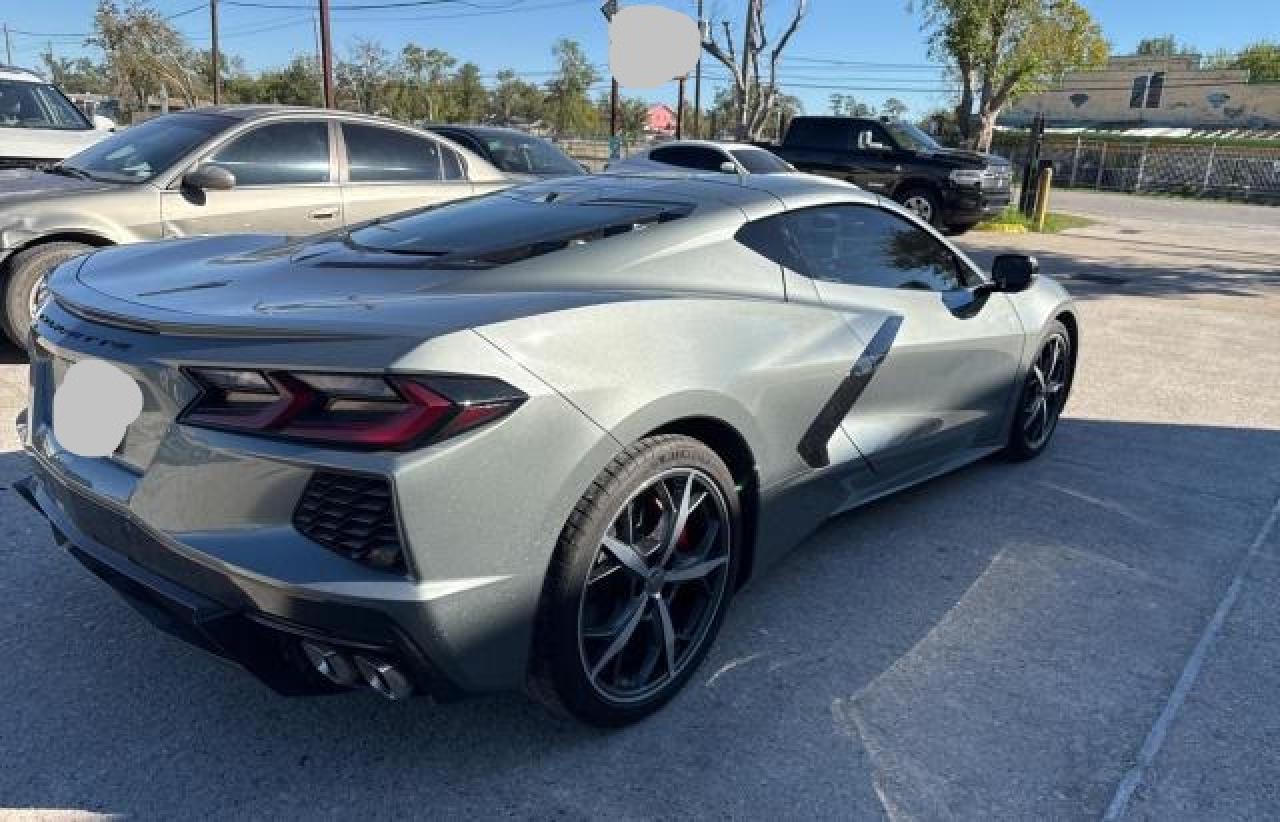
{"points": [[1088, 277], [991, 642]]}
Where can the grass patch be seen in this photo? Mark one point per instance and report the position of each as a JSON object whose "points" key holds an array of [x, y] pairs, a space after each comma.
{"points": [[1013, 221]]}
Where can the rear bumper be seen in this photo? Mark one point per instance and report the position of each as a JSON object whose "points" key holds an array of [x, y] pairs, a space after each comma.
{"points": [[221, 612]]}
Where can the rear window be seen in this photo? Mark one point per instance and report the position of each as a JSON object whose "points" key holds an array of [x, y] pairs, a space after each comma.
{"points": [[817, 132], [759, 161], [699, 158], [509, 226]]}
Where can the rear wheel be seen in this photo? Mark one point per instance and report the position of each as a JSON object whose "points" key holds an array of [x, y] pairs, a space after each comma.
{"points": [[640, 583], [922, 202], [1043, 395], [25, 286]]}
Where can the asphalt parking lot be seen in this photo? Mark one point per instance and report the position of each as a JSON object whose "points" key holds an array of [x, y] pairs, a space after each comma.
{"points": [[1093, 631]]}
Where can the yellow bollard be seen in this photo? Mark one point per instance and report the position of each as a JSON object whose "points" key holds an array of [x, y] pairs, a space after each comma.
{"points": [[1043, 183]]}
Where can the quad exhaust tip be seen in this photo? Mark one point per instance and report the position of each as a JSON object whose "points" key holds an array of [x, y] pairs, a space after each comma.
{"points": [[330, 664], [382, 676]]}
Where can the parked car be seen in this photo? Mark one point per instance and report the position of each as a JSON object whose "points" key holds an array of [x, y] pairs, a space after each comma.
{"points": [[522, 156], [221, 170], [703, 155], [948, 188], [537, 438], [38, 124]]}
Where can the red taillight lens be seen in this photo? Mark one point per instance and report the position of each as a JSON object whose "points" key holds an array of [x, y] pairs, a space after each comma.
{"points": [[346, 410]]}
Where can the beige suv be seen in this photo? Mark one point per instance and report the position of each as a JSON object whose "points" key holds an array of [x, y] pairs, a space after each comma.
{"points": [[220, 170]]}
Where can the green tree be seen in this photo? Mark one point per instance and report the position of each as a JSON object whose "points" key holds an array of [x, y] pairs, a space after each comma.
{"points": [[468, 94], [894, 108], [144, 53], [846, 105], [568, 105], [1001, 49], [415, 100], [364, 75], [1163, 46], [297, 84], [1262, 59], [513, 99], [77, 74]]}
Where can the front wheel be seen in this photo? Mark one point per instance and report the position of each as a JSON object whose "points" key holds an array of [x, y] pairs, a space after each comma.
{"points": [[1044, 393], [924, 203], [25, 286], [640, 583]]}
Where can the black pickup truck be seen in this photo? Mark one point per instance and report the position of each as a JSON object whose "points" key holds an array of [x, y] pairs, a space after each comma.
{"points": [[949, 188]]}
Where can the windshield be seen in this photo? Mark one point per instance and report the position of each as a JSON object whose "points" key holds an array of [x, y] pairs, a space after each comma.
{"points": [[521, 154], [140, 152], [759, 161], [38, 105], [911, 137]]}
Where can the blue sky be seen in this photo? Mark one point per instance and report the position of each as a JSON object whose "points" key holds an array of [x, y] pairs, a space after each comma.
{"points": [[872, 49]]}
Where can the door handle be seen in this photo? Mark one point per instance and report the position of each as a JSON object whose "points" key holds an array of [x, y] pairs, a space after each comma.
{"points": [[323, 214]]}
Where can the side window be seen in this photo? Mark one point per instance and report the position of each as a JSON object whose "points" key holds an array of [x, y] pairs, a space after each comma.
{"points": [[831, 134], [769, 239], [379, 155], [454, 168], [278, 154], [697, 158], [862, 245]]}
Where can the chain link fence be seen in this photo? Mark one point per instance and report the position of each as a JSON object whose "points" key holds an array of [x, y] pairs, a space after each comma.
{"points": [[594, 151], [1251, 174]]}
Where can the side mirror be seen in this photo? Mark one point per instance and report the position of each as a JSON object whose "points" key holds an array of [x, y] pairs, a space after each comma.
{"points": [[209, 178], [1012, 273], [101, 123], [728, 167]]}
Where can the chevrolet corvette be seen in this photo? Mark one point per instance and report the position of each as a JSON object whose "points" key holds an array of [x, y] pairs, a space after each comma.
{"points": [[535, 439]]}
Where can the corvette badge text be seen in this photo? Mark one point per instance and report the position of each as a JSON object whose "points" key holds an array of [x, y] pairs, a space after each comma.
{"points": [[93, 406]]}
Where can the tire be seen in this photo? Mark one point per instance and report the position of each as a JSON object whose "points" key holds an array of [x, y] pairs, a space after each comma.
{"points": [[923, 202], [600, 650], [1034, 422], [27, 272]]}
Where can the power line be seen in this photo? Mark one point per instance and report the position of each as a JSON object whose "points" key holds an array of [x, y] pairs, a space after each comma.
{"points": [[395, 4]]}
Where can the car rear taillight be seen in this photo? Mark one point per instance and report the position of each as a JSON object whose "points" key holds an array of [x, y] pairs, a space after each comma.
{"points": [[346, 410]]}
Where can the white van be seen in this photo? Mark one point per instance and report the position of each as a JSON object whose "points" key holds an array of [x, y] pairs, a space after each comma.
{"points": [[38, 124]]}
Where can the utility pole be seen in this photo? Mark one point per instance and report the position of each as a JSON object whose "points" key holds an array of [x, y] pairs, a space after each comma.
{"points": [[326, 54], [8, 48], [613, 110], [697, 76], [213, 52], [609, 9], [680, 110]]}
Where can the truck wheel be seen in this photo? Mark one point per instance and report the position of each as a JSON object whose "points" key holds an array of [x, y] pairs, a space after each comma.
{"points": [[923, 203], [25, 285]]}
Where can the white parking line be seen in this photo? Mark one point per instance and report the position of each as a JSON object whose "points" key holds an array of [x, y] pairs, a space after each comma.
{"points": [[1155, 737]]}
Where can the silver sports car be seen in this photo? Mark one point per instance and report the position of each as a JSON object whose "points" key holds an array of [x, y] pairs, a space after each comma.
{"points": [[535, 439]]}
